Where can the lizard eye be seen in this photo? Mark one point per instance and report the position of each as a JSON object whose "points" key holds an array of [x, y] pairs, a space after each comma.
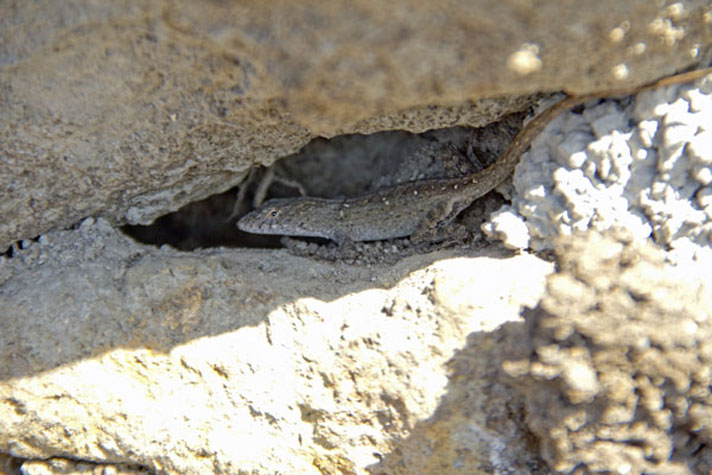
{"points": [[273, 213]]}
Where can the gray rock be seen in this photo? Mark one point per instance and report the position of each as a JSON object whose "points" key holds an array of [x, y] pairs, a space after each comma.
{"points": [[131, 110], [123, 358], [643, 164]]}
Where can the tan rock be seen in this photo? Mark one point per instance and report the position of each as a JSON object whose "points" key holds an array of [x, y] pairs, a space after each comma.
{"points": [[224, 361]]}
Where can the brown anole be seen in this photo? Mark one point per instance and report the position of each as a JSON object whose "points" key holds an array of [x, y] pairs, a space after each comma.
{"points": [[419, 209]]}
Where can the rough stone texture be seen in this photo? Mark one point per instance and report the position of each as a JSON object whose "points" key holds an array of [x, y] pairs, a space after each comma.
{"points": [[116, 357], [614, 367], [131, 109], [231, 361], [643, 164]]}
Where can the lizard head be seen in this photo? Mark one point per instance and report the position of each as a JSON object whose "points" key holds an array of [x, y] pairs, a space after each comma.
{"points": [[289, 216]]}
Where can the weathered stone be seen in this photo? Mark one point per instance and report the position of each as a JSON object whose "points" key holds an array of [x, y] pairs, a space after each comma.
{"points": [[130, 110], [117, 357], [613, 368], [227, 361]]}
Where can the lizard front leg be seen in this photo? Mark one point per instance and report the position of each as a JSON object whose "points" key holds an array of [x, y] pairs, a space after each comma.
{"points": [[437, 224]]}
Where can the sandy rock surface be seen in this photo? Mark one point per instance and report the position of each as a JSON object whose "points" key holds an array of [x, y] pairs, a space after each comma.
{"points": [[164, 362], [224, 361], [615, 362]]}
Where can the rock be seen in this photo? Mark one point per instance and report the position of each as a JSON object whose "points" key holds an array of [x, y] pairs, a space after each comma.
{"points": [[117, 357], [613, 368], [225, 361], [130, 111], [639, 164]]}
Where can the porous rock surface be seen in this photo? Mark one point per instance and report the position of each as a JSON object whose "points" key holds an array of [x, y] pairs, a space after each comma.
{"points": [[131, 109], [642, 163], [125, 357], [614, 365], [230, 361]]}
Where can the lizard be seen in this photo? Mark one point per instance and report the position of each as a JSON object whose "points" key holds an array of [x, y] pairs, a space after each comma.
{"points": [[419, 209]]}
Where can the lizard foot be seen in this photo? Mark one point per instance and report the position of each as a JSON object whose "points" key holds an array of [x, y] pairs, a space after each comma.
{"points": [[452, 233], [345, 250]]}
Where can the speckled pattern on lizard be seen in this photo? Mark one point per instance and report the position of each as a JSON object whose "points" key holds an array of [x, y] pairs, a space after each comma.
{"points": [[419, 209]]}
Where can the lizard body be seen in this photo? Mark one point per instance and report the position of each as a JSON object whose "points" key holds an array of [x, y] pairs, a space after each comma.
{"points": [[420, 209]]}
